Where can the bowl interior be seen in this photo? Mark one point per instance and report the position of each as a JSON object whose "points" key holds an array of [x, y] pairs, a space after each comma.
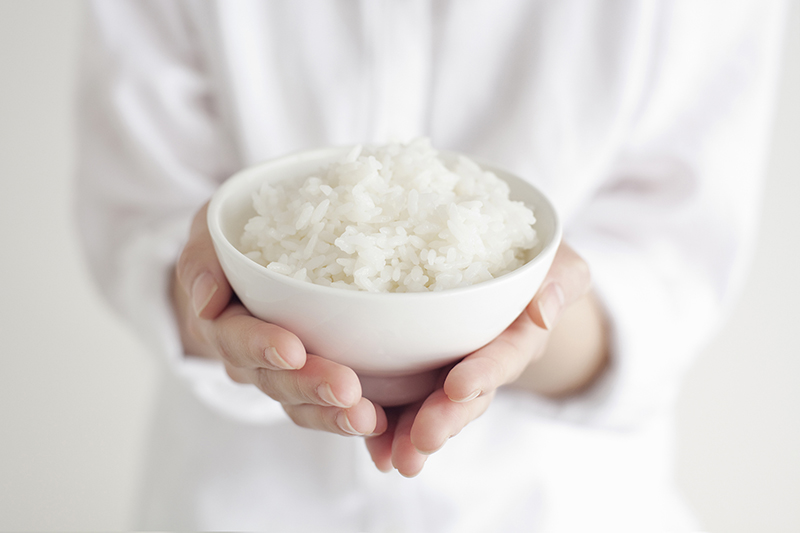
{"points": [[232, 206]]}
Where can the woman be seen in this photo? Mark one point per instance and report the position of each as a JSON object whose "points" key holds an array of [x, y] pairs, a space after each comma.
{"points": [[645, 123]]}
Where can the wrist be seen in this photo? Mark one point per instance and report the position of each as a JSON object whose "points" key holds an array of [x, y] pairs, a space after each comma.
{"points": [[576, 355]]}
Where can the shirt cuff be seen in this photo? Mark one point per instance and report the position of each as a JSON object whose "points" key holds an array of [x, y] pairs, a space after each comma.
{"points": [[655, 329]]}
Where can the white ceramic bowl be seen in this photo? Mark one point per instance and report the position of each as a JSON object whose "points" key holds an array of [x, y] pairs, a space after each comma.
{"points": [[392, 340]]}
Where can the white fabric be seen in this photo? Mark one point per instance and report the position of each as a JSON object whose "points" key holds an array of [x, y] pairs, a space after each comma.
{"points": [[645, 122]]}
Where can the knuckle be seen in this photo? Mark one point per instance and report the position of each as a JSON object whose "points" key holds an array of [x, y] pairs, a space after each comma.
{"points": [[257, 338], [183, 267], [312, 417], [235, 374], [195, 329], [578, 272], [583, 275], [232, 339], [462, 416], [226, 350], [295, 416], [494, 367], [507, 365], [264, 381], [295, 390], [281, 386]]}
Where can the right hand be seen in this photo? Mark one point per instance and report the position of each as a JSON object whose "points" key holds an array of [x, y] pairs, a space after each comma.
{"points": [[531, 354], [316, 393]]}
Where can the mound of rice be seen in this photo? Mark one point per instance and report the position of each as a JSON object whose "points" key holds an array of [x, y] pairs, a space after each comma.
{"points": [[391, 218]]}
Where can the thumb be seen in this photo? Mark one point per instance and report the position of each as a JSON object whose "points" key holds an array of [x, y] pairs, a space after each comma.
{"points": [[566, 282], [199, 272]]}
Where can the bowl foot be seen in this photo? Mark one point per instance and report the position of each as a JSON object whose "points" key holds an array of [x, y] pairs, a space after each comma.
{"points": [[398, 390]]}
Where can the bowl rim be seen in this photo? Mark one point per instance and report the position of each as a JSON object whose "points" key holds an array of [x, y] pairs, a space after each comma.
{"points": [[233, 183]]}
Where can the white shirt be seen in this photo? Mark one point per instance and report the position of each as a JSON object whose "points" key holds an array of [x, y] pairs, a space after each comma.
{"points": [[646, 124]]}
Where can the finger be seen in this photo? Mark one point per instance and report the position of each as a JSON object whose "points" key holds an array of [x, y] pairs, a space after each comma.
{"points": [[320, 382], [381, 421], [199, 272], [364, 418], [244, 341], [499, 362], [566, 282], [439, 418], [380, 446], [239, 375], [405, 456]]}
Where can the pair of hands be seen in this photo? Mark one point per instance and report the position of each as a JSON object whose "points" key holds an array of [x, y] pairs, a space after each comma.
{"points": [[323, 395]]}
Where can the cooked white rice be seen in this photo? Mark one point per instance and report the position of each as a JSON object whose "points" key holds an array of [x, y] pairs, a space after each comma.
{"points": [[391, 219]]}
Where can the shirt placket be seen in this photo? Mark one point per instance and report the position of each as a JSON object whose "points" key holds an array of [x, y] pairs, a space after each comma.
{"points": [[398, 40]]}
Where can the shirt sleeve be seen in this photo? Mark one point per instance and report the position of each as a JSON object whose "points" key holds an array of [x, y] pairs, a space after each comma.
{"points": [[669, 233], [152, 149]]}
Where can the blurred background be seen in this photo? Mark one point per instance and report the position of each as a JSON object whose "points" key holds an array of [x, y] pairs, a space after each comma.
{"points": [[76, 388]]}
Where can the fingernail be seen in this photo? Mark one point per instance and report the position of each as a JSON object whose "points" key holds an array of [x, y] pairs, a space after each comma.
{"points": [[325, 394], [432, 451], [550, 304], [474, 394], [344, 424], [385, 469], [410, 475], [274, 358], [203, 290]]}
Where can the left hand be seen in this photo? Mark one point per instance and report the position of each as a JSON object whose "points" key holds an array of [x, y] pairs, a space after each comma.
{"points": [[466, 389]]}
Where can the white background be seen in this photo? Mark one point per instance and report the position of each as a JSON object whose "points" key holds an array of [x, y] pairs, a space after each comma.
{"points": [[76, 387]]}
